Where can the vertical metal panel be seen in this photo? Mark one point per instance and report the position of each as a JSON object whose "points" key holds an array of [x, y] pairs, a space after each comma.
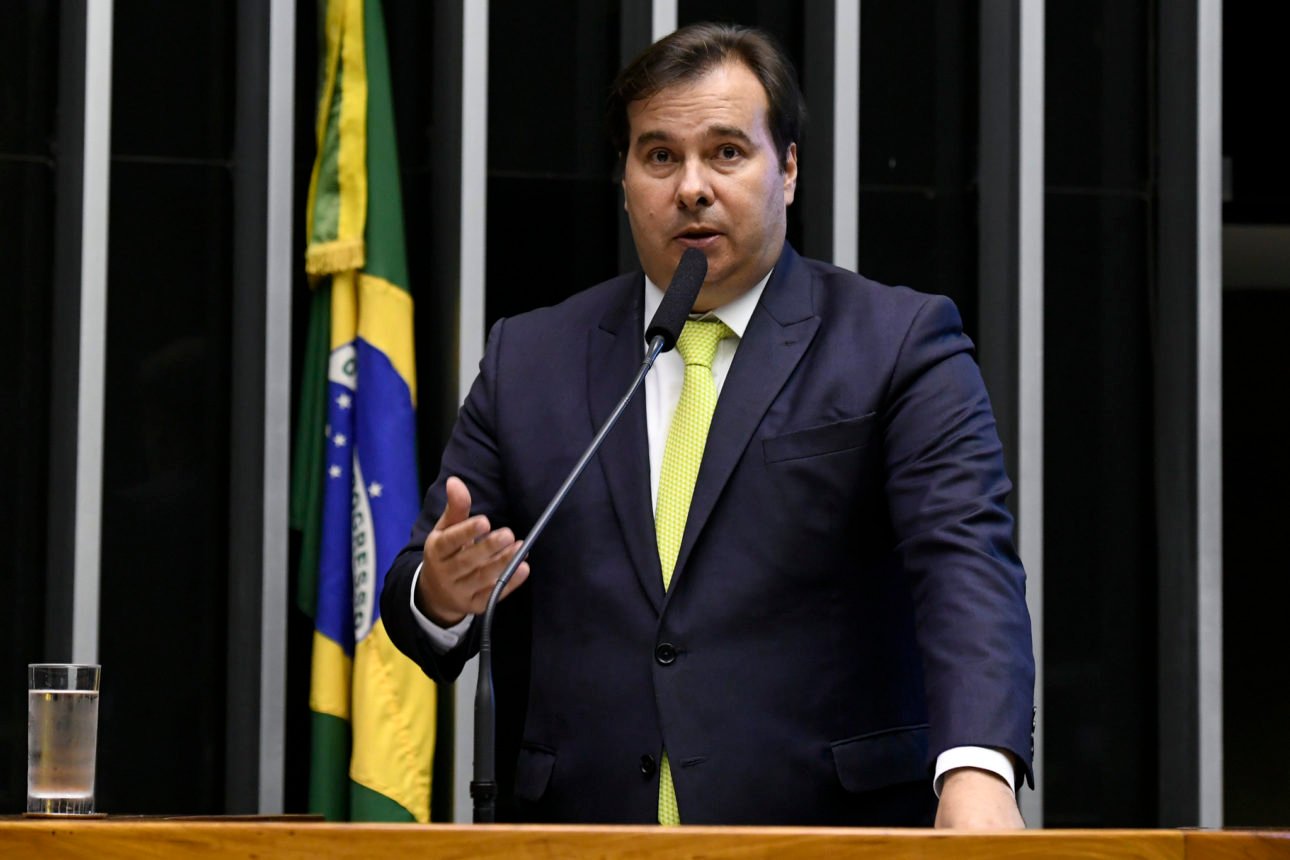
{"points": [[474, 195], [93, 330], [664, 18], [636, 28], [437, 330], [278, 261], [474, 189], [247, 456], [1187, 333], [1030, 358], [999, 233], [1011, 254], [65, 333], [79, 332], [1209, 406], [261, 383], [846, 133], [813, 206]]}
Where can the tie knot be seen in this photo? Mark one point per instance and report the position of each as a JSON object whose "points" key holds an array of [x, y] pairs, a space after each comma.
{"points": [[698, 341]]}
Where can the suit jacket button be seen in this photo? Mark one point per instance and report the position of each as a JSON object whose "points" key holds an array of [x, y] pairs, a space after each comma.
{"points": [[647, 765], [665, 654]]}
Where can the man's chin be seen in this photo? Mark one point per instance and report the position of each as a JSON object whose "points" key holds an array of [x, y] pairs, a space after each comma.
{"points": [[714, 295]]}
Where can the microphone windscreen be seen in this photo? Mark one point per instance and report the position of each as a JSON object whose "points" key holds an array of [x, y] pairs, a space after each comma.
{"points": [[679, 298]]}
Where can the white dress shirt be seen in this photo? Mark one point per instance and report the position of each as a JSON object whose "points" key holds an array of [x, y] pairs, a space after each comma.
{"points": [[662, 392]]}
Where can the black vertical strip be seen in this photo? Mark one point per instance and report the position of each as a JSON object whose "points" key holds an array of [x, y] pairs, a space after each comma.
{"points": [[437, 299], [438, 307], [66, 332], [815, 151], [998, 223], [1175, 353], [637, 26], [246, 450]]}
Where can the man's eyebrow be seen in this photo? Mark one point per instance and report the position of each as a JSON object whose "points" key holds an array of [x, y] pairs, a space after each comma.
{"points": [[663, 136], [654, 136], [730, 131]]}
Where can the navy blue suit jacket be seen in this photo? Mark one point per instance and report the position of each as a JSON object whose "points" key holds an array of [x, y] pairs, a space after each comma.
{"points": [[847, 602]]}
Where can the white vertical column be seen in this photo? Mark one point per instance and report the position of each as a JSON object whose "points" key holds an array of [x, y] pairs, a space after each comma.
{"points": [[1209, 406], [663, 19], [93, 331], [846, 133], [470, 331], [474, 189], [279, 256], [1030, 354]]}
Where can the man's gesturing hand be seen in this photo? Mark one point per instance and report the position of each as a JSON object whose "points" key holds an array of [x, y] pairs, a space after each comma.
{"points": [[462, 560]]}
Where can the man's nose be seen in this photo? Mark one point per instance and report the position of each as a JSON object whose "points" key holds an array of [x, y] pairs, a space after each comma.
{"points": [[694, 191]]}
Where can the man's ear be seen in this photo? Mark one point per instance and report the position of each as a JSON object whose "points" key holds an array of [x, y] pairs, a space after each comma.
{"points": [[790, 174]]}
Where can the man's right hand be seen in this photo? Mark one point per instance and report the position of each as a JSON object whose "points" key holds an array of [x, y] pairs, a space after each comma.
{"points": [[462, 560]]}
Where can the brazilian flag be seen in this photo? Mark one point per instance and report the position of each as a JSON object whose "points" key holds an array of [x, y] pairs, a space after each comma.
{"points": [[355, 490]]}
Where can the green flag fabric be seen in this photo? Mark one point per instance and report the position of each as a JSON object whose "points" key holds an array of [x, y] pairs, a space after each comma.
{"points": [[355, 491]]}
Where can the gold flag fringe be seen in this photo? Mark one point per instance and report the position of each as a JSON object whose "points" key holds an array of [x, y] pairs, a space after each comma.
{"points": [[338, 255]]}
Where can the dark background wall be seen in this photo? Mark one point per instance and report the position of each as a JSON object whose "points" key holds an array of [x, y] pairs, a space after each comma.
{"points": [[1256, 424], [554, 227], [1099, 515], [29, 42], [918, 148], [166, 423]]}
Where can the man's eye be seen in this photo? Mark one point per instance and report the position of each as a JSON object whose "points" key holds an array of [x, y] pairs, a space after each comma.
{"points": [[659, 156], [728, 152]]}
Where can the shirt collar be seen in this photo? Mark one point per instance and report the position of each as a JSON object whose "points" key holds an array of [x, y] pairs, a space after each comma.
{"points": [[735, 314]]}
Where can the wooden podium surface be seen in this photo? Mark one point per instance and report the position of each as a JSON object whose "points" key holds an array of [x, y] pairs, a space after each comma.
{"points": [[270, 840]]}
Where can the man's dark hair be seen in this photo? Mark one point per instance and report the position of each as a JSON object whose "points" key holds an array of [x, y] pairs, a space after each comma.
{"points": [[691, 52]]}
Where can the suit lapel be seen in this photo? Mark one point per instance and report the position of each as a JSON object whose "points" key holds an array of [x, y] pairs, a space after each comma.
{"points": [[777, 337], [615, 352]]}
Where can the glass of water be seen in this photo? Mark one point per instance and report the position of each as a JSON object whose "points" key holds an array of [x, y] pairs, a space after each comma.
{"points": [[62, 737]]}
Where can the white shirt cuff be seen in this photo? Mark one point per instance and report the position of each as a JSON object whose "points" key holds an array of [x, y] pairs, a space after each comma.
{"points": [[443, 639], [983, 758]]}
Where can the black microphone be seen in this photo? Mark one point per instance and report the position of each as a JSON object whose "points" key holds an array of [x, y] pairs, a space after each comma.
{"points": [[679, 298], [662, 333]]}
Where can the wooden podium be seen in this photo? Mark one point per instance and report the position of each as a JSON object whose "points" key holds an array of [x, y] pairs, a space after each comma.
{"points": [[269, 840]]}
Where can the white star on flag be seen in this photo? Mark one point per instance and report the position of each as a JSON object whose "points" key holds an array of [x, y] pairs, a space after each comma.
{"points": [[374, 490], [344, 401], [334, 471], [340, 440]]}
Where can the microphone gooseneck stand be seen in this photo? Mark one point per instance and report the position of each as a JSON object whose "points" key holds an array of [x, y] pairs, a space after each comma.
{"points": [[483, 788], [662, 333]]}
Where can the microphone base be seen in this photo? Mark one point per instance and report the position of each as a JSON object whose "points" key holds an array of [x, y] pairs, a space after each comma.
{"points": [[484, 793]]}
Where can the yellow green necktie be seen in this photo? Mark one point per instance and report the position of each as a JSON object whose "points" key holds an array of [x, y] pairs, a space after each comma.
{"points": [[681, 458]]}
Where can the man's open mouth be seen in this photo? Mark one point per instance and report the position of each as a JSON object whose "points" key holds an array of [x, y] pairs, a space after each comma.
{"points": [[697, 236]]}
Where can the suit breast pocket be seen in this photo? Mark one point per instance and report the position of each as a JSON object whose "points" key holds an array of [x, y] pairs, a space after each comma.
{"points": [[846, 435]]}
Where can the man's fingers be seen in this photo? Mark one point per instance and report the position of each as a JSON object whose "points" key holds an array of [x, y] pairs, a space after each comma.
{"points": [[463, 559], [444, 544], [457, 508], [488, 575], [485, 551], [496, 553], [521, 574]]}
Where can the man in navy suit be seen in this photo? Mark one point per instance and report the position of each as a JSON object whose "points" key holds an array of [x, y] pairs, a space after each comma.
{"points": [[844, 638]]}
